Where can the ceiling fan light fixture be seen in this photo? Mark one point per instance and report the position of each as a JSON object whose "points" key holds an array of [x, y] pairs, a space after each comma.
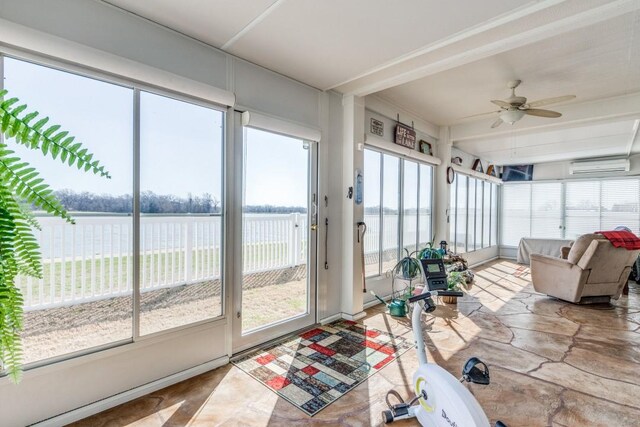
{"points": [[511, 116]]}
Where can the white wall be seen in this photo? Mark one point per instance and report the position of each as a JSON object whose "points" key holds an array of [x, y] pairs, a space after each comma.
{"points": [[64, 386]]}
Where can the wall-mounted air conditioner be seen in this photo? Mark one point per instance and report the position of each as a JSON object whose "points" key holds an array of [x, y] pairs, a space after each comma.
{"points": [[599, 166]]}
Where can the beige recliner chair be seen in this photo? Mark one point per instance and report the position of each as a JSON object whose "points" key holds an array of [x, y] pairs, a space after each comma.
{"points": [[592, 270]]}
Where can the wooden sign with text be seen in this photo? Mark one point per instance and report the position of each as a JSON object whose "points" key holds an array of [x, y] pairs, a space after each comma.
{"points": [[405, 136]]}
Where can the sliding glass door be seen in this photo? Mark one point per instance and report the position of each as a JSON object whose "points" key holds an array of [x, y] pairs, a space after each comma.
{"points": [[275, 292]]}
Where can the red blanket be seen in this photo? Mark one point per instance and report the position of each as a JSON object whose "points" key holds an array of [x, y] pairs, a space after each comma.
{"points": [[622, 239]]}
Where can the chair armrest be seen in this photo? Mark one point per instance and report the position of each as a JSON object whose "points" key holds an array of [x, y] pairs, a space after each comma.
{"points": [[549, 260]]}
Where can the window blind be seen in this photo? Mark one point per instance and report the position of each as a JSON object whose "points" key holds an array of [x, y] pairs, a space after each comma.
{"points": [[516, 213], [494, 214], [582, 208], [546, 210], [619, 204]]}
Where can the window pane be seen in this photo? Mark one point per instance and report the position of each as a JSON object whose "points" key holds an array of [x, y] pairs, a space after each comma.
{"points": [[471, 215], [275, 229], [478, 221], [181, 206], [582, 208], [546, 210], [85, 297], [410, 206], [390, 211], [461, 221], [494, 214], [486, 214], [453, 213], [372, 179], [516, 213], [424, 232], [619, 205]]}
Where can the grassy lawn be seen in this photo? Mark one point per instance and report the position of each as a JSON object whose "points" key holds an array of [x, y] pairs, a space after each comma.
{"points": [[113, 274]]}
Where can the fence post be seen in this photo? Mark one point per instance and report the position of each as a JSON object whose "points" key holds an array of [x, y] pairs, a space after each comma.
{"points": [[293, 254], [188, 255]]}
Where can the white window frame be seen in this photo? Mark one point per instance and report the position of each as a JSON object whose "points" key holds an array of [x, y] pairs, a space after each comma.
{"points": [[401, 242], [136, 87], [563, 203], [478, 217]]}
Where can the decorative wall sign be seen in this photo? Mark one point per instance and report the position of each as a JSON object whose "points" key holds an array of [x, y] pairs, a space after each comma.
{"points": [[456, 161], [425, 147], [377, 127], [477, 166], [405, 136], [491, 170]]}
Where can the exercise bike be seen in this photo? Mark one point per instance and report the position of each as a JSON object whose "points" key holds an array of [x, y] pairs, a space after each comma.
{"points": [[441, 400]]}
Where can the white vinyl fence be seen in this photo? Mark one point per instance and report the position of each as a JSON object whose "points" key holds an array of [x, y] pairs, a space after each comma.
{"points": [[92, 259]]}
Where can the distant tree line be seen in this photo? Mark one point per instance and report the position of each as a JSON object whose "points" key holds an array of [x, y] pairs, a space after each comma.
{"points": [[153, 203]]}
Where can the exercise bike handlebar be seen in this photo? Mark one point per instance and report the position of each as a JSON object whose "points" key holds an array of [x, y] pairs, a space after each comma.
{"points": [[430, 294]]}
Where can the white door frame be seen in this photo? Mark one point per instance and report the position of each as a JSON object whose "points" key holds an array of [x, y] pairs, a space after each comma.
{"points": [[240, 342]]}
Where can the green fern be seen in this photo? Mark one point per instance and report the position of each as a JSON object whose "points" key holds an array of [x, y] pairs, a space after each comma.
{"points": [[21, 186]]}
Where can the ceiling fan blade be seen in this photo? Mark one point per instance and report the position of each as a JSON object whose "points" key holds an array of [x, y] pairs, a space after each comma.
{"points": [[496, 123], [480, 115], [501, 103], [542, 113], [549, 101]]}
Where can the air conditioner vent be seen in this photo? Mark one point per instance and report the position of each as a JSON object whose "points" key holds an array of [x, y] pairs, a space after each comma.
{"points": [[599, 166]]}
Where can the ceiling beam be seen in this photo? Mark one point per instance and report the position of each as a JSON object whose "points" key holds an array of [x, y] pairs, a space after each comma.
{"points": [[601, 110], [255, 21], [485, 45]]}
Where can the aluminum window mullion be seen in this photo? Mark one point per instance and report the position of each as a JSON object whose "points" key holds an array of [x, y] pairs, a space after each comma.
{"points": [[455, 218], [418, 209], [136, 215], [400, 208], [381, 216]]}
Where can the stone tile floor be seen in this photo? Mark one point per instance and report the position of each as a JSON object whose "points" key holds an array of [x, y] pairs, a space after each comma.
{"points": [[552, 364]]}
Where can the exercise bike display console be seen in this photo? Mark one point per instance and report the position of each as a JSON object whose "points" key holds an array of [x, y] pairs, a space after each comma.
{"points": [[435, 274]]}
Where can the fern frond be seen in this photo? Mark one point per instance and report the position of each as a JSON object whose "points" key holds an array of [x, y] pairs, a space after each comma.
{"points": [[50, 140], [25, 182], [25, 245]]}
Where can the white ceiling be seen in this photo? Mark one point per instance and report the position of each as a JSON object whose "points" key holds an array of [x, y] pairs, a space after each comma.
{"points": [[320, 42], [594, 62], [442, 61], [587, 141]]}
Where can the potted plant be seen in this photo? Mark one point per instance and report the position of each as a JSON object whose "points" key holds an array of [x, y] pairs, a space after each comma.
{"points": [[455, 282], [429, 252]]}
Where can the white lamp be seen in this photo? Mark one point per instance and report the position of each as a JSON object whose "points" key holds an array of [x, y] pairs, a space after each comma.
{"points": [[511, 116]]}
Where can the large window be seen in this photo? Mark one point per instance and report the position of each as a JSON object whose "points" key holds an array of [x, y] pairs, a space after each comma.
{"points": [[397, 208], [180, 213], [105, 274], [472, 214], [568, 209]]}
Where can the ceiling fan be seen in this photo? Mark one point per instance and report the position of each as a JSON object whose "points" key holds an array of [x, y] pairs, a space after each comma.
{"points": [[516, 107]]}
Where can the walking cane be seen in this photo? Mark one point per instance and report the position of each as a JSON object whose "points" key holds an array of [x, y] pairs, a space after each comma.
{"points": [[362, 226]]}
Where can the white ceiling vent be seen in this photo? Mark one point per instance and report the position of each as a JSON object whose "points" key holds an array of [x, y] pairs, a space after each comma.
{"points": [[599, 166]]}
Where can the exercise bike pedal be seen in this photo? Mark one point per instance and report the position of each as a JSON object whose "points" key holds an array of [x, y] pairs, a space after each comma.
{"points": [[476, 371]]}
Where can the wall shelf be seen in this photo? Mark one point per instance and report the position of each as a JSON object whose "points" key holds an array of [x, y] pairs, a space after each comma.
{"points": [[470, 172]]}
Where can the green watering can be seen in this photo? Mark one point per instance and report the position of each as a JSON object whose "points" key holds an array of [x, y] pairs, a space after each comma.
{"points": [[397, 307]]}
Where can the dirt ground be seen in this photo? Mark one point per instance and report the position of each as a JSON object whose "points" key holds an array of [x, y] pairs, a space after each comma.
{"points": [[268, 297]]}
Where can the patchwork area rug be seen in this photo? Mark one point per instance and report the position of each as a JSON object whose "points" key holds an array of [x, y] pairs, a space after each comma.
{"points": [[319, 366]]}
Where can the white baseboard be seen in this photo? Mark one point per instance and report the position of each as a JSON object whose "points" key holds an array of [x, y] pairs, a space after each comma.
{"points": [[354, 317], [330, 319], [125, 396]]}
